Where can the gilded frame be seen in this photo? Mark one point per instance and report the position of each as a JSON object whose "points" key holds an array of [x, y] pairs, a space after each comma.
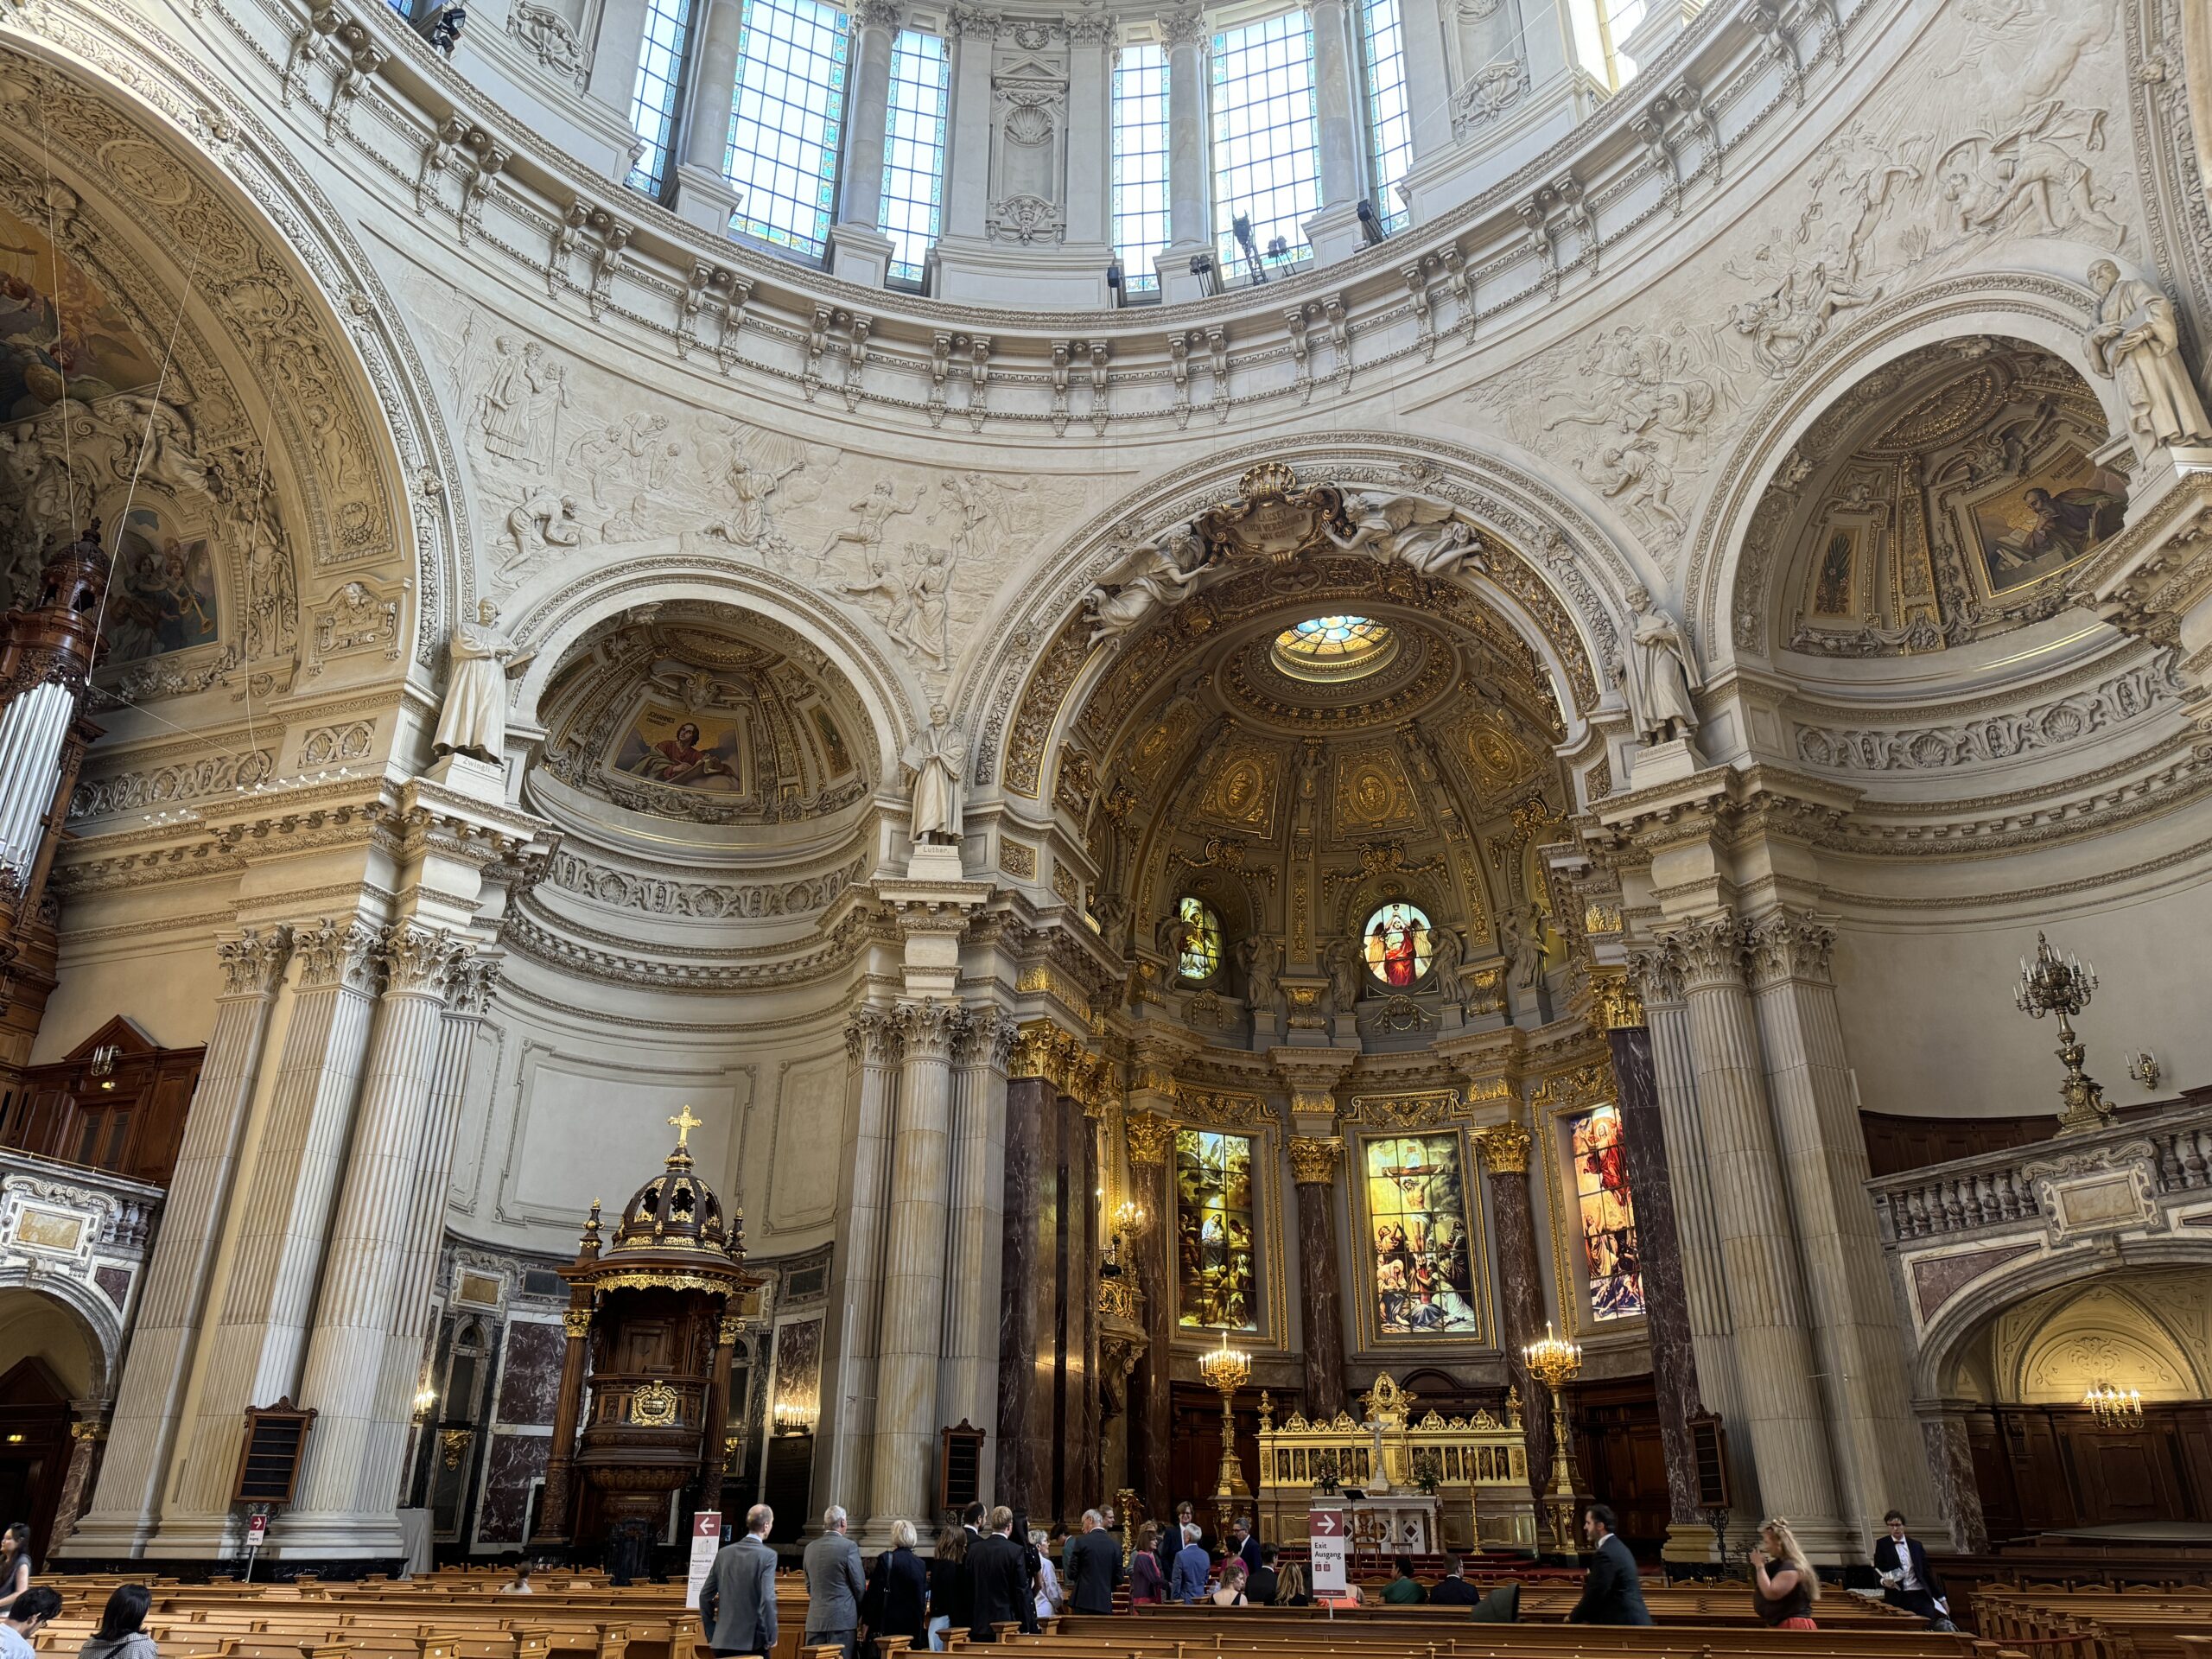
{"points": [[1561, 1096], [1225, 1112], [1417, 1111]]}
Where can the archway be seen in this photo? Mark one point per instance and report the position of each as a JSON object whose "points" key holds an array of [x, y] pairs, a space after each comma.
{"points": [[50, 1362]]}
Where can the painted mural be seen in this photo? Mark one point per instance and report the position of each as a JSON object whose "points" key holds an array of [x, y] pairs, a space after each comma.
{"points": [[60, 335]]}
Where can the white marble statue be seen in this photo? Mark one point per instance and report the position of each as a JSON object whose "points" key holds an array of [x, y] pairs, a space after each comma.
{"points": [[1521, 932], [1425, 535], [473, 720], [1660, 671], [935, 758], [1445, 954], [2137, 341], [1346, 962], [1152, 577]]}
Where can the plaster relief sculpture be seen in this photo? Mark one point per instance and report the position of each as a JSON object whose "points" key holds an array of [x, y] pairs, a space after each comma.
{"points": [[473, 720], [873, 511], [1149, 579], [1521, 934], [2137, 342], [626, 458], [936, 759], [517, 413], [2030, 178], [1445, 953], [545, 520], [1659, 672], [1261, 958], [918, 617], [1346, 963], [1428, 535], [1633, 473]]}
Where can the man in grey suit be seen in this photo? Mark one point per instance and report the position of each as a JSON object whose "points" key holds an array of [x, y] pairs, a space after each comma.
{"points": [[737, 1604], [834, 1585]]}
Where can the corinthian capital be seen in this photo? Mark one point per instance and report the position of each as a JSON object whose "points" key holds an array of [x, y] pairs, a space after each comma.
{"points": [[885, 14], [1658, 972], [1148, 1135], [926, 1030], [1505, 1147], [987, 1038], [1183, 28], [1314, 1159], [337, 953], [1791, 945], [473, 982], [418, 958], [254, 962], [1712, 952], [872, 1037]]}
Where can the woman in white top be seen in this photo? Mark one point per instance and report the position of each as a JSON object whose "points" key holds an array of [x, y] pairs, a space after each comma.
{"points": [[1048, 1581]]}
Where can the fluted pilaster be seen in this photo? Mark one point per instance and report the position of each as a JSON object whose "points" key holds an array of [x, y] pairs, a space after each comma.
{"points": [[1782, 1405], [165, 1338], [872, 1039], [283, 1224], [350, 1481], [968, 1374]]}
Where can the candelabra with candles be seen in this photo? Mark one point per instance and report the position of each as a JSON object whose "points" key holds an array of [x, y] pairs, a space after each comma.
{"points": [[1556, 1361], [1128, 1218], [2116, 1407], [2051, 984], [1227, 1370]]}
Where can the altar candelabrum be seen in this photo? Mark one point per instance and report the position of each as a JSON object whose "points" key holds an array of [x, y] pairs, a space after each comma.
{"points": [[1554, 1362], [2051, 984], [1227, 1370]]}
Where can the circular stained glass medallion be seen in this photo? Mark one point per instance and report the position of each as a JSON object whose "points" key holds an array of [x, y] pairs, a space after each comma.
{"points": [[1201, 957], [1398, 945], [1335, 647]]}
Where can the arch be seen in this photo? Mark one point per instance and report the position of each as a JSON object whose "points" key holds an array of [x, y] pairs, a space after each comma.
{"points": [[1558, 577], [2101, 1333], [1724, 581], [88, 1314], [1949, 1339], [273, 264], [560, 607]]}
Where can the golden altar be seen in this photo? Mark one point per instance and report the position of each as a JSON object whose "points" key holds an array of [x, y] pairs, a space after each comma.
{"points": [[1477, 1470]]}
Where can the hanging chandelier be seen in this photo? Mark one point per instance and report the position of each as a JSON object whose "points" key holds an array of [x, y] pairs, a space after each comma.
{"points": [[2116, 1407]]}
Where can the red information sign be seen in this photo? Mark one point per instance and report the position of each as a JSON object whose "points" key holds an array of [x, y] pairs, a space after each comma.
{"points": [[1325, 1535], [256, 1530], [706, 1540]]}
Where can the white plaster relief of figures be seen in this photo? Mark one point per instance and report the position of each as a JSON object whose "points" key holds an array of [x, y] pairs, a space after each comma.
{"points": [[2003, 737]]}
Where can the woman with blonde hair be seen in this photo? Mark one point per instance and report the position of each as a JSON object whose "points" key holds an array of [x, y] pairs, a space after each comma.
{"points": [[1290, 1585], [1231, 1592], [1784, 1596]]}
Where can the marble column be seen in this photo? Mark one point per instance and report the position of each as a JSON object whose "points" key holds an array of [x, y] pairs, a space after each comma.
{"points": [[913, 1272], [1658, 973], [85, 1434], [555, 1513], [1867, 1403], [1949, 1443], [349, 1481], [1025, 1337], [1150, 1139], [968, 1377], [1314, 1161], [281, 1228], [408, 1342], [872, 1039], [1504, 1148], [164, 1340], [1782, 1410], [700, 191], [1189, 185], [1079, 1486], [1666, 1316], [859, 250]]}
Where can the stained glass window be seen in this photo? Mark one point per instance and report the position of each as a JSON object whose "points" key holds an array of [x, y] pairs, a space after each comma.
{"points": [[1390, 122], [914, 150], [1417, 1205], [1267, 160], [1140, 162], [1201, 957], [1398, 945], [652, 98], [1606, 1211], [1335, 647], [787, 118], [1213, 1230]]}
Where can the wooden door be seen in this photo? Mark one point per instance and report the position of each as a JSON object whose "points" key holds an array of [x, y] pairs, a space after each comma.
{"points": [[1619, 1458], [1194, 1450]]}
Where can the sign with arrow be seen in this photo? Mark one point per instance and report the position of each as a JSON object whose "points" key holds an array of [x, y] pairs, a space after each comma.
{"points": [[1325, 1530]]}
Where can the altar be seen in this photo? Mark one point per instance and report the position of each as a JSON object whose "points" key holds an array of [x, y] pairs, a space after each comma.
{"points": [[1424, 1487]]}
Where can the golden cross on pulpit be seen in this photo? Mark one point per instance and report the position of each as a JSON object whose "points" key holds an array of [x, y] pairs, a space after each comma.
{"points": [[684, 1123]]}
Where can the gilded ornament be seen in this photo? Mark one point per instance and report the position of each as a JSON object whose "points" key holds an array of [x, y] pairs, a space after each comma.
{"points": [[576, 1322], [1314, 1159], [653, 1406], [1504, 1148], [1148, 1135], [1614, 1002]]}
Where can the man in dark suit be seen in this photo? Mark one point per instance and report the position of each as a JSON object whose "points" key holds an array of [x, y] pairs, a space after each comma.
{"points": [[1245, 1546], [1907, 1580], [1453, 1590], [1611, 1592], [1094, 1561], [737, 1604], [997, 1582], [1262, 1588]]}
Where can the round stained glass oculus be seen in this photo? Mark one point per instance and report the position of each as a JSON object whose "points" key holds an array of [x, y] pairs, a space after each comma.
{"points": [[1201, 957], [1334, 647], [1398, 943]]}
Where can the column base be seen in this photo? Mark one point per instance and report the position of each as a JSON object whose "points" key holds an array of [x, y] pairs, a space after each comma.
{"points": [[467, 775], [1689, 1541], [859, 253], [1017, 273], [1173, 265], [705, 199], [1334, 233], [105, 1538], [336, 1537]]}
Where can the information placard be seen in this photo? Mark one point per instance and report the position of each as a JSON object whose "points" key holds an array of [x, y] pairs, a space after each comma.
{"points": [[706, 1541], [1325, 1527]]}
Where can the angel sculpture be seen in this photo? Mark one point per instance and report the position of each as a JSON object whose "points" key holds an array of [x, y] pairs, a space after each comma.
{"points": [[1173, 936], [1152, 577], [1425, 535]]}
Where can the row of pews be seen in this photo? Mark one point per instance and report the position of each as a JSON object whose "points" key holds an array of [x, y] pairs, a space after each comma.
{"points": [[462, 1614]]}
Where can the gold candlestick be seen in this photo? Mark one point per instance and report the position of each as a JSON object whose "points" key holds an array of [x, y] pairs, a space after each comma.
{"points": [[1556, 1361], [1227, 1370], [2052, 984]]}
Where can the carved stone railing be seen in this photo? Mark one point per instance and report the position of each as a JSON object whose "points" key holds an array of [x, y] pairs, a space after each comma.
{"points": [[1967, 1237], [80, 1233]]}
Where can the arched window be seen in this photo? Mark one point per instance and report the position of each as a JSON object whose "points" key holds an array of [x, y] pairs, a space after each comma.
{"points": [[1201, 957], [1398, 945]]}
